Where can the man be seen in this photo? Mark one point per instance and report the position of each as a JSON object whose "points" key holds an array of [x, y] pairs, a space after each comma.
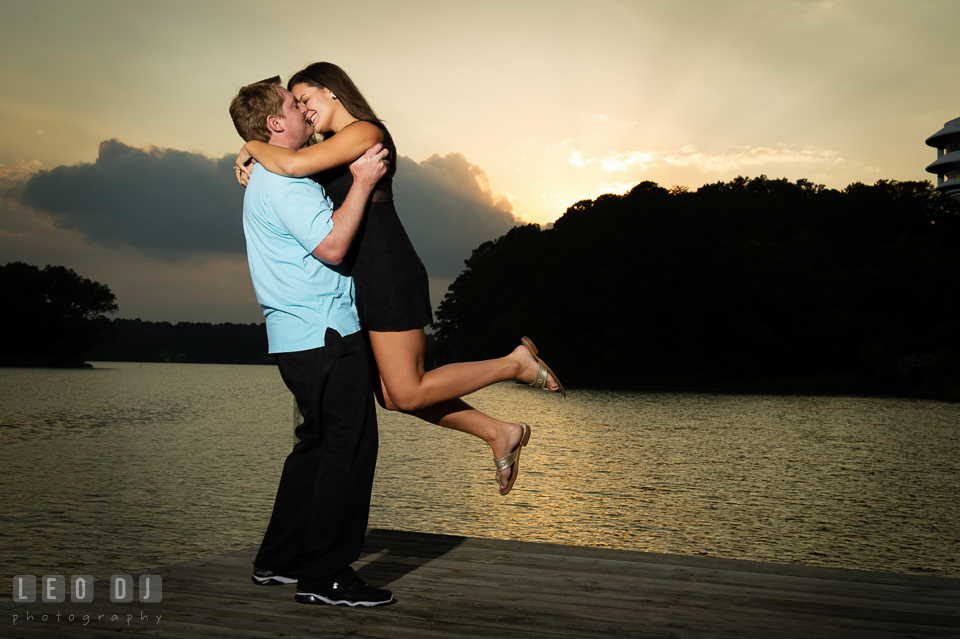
{"points": [[295, 246]]}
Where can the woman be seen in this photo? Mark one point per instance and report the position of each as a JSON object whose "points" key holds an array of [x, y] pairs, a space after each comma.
{"points": [[392, 286]]}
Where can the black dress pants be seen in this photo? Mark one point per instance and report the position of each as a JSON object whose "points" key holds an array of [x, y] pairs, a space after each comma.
{"points": [[320, 514]]}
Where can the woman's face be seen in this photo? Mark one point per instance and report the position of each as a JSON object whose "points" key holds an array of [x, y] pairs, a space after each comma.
{"points": [[316, 104]]}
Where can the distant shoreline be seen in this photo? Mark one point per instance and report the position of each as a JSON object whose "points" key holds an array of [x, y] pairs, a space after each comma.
{"points": [[850, 386], [25, 362]]}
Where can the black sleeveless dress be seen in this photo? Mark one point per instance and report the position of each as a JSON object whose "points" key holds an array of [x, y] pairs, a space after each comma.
{"points": [[393, 292]]}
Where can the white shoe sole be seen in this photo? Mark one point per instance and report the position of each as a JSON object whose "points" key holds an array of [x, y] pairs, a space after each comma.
{"points": [[312, 598], [275, 579]]}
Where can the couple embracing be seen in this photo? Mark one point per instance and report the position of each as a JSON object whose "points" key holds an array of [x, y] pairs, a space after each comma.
{"points": [[345, 298]]}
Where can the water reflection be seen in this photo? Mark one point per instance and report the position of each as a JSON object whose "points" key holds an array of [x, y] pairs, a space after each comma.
{"points": [[127, 467], [855, 482]]}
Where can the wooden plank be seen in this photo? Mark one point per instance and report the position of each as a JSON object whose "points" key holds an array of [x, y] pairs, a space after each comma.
{"points": [[402, 539], [460, 584], [462, 587], [669, 582], [619, 591]]}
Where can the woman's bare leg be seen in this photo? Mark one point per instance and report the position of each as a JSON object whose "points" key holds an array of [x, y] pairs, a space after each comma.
{"points": [[456, 414], [399, 356]]}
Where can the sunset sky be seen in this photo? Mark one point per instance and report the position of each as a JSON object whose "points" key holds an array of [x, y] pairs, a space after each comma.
{"points": [[116, 145]]}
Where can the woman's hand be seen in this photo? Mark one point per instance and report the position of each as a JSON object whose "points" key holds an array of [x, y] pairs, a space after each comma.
{"points": [[243, 166]]}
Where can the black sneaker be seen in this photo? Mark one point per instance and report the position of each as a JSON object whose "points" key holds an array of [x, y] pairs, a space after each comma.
{"points": [[357, 593], [263, 577]]}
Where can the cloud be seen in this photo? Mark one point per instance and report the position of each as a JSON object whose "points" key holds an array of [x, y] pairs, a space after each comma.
{"points": [[204, 288], [448, 209], [704, 162], [176, 205], [164, 202], [758, 156], [11, 175]]}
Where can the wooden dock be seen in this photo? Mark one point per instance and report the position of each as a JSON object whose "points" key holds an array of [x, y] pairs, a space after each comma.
{"points": [[461, 587]]}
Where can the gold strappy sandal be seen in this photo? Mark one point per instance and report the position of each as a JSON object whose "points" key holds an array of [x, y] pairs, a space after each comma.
{"points": [[542, 369], [512, 461]]}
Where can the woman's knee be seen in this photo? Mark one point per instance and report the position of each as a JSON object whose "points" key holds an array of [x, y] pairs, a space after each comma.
{"points": [[406, 402], [385, 402]]}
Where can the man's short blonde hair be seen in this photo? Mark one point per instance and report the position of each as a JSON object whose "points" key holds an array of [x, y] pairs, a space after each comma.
{"points": [[253, 103]]}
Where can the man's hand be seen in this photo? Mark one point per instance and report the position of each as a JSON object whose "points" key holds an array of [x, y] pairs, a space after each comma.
{"points": [[243, 166], [366, 170], [371, 166]]}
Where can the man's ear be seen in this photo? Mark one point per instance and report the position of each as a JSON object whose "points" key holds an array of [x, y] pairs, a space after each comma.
{"points": [[275, 124]]}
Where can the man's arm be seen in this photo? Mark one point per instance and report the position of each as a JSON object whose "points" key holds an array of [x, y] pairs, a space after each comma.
{"points": [[367, 170]]}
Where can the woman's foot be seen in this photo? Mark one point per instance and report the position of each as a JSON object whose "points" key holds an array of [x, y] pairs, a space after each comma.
{"points": [[507, 440], [529, 366]]}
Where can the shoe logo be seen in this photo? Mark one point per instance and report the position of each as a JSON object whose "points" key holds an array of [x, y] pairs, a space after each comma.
{"points": [[335, 585]]}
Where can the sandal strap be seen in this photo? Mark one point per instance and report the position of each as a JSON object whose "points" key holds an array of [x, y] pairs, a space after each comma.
{"points": [[504, 463], [541, 380]]}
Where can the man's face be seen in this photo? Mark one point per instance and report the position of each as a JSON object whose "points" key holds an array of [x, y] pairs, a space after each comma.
{"points": [[295, 124]]}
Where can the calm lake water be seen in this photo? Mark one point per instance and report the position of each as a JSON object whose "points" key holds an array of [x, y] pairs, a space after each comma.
{"points": [[127, 466]]}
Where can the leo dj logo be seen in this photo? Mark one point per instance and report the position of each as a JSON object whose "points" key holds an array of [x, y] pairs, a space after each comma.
{"points": [[53, 589]]}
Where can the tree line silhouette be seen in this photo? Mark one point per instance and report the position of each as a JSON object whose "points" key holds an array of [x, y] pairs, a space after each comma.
{"points": [[52, 316], [185, 342], [758, 283], [752, 284], [57, 318]]}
